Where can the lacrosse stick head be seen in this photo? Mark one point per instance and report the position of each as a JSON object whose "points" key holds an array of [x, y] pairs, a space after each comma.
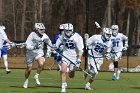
{"points": [[97, 25]]}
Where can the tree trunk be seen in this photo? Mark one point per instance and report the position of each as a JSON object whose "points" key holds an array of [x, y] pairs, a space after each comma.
{"points": [[109, 14], [1, 9], [23, 20], [14, 21]]}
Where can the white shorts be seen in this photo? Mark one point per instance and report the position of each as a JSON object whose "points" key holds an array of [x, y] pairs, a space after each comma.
{"points": [[32, 56], [69, 63], [116, 56], [94, 67]]}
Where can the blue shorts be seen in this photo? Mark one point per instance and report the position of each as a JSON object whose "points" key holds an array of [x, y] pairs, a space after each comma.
{"points": [[3, 51]]}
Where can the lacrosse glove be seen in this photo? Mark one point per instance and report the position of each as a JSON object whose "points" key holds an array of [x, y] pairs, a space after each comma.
{"points": [[78, 62], [48, 54], [125, 47], [57, 57], [108, 56]]}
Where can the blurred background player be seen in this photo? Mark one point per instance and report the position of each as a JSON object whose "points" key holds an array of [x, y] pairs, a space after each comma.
{"points": [[117, 48], [57, 57], [97, 44], [4, 47], [73, 50], [34, 51]]}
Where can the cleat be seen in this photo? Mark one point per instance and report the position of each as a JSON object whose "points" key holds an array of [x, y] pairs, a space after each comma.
{"points": [[113, 77], [25, 85], [117, 78], [87, 87], [8, 71], [63, 90], [36, 79]]}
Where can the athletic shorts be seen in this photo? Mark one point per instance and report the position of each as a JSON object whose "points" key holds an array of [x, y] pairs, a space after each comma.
{"points": [[32, 56], [116, 56], [3, 51], [70, 62], [94, 67]]}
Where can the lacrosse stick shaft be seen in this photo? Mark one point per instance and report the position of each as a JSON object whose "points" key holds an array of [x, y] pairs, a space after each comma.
{"points": [[94, 59], [52, 65]]}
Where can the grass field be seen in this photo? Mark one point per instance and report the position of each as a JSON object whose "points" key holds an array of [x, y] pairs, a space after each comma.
{"points": [[50, 83]]}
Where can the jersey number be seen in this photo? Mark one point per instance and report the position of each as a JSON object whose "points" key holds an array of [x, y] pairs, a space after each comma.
{"points": [[115, 43], [99, 47], [69, 44]]}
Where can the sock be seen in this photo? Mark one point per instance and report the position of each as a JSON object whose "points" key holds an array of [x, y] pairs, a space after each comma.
{"points": [[63, 85], [26, 80], [88, 84], [115, 74]]}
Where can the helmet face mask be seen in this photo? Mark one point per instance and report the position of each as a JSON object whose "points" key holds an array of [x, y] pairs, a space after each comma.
{"points": [[115, 29], [41, 31], [68, 29], [40, 28], [107, 33]]}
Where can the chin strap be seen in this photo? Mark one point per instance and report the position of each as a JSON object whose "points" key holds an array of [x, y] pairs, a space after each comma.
{"points": [[40, 35], [104, 39]]}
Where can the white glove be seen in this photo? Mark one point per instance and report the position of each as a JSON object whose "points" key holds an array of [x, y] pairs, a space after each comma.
{"points": [[108, 56], [48, 54], [125, 47], [78, 62]]}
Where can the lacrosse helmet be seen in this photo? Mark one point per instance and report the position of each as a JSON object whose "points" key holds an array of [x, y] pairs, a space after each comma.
{"points": [[61, 26], [40, 28], [115, 29], [2, 27], [68, 29], [107, 33]]}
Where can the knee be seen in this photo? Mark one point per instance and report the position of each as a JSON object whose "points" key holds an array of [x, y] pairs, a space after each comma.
{"points": [[71, 74]]}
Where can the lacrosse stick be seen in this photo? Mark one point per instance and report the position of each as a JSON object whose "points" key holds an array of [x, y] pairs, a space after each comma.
{"points": [[97, 24], [86, 38], [68, 59], [94, 59], [50, 68]]}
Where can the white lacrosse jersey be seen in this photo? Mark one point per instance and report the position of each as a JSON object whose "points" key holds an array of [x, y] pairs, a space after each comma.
{"points": [[97, 46], [72, 46], [3, 37], [34, 40], [117, 42]]}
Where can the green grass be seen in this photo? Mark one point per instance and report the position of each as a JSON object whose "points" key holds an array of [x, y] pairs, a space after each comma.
{"points": [[50, 83]]}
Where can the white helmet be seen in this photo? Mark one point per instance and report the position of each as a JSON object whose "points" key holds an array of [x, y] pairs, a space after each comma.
{"points": [[61, 26], [2, 27], [68, 26], [107, 33], [114, 29], [39, 26]]}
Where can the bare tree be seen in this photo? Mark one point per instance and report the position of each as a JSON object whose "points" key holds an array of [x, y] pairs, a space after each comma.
{"points": [[23, 20]]}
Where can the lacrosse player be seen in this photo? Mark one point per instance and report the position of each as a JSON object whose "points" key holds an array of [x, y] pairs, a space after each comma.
{"points": [[97, 45], [117, 48], [73, 50], [58, 57], [34, 51], [3, 47]]}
